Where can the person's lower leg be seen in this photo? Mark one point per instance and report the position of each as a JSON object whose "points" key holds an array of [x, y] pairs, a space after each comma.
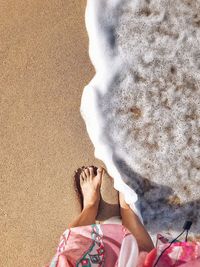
{"points": [[131, 221], [90, 186], [86, 217]]}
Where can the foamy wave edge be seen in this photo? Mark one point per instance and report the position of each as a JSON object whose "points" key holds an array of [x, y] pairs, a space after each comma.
{"points": [[107, 64]]}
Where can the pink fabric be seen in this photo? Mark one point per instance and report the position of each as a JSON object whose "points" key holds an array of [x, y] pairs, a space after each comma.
{"points": [[112, 245], [180, 254], [195, 263], [112, 239], [97, 245]]}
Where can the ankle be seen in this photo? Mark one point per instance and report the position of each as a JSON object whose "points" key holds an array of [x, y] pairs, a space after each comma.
{"points": [[91, 203], [92, 207]]}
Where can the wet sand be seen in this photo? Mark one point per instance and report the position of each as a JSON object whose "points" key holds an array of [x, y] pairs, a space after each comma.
{"points": [[44, 67]]}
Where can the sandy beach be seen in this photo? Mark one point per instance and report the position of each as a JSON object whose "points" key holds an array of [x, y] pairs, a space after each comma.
{"points": [[140, 103], [44, 67]]}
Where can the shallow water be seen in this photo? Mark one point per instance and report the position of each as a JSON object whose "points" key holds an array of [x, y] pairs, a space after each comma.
{"points": [[142, 108]]}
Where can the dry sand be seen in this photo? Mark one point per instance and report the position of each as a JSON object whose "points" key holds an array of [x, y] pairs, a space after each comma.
{"points": [[44, 67]]}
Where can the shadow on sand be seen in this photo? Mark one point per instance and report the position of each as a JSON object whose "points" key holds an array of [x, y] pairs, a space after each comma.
{"points": [[160, 208]]}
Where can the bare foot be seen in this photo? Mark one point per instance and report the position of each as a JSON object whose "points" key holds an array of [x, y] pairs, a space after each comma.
{"points": [[90, 186], [122, 202]]}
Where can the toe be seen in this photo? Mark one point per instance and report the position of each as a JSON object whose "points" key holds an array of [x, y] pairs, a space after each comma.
{"points": [[83, 175], [81, 179], [87, 172], [91, 170], [100, 173]]}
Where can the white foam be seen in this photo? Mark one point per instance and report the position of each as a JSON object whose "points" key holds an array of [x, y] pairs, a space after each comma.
{"points": [[142, 107], [107, 64]]}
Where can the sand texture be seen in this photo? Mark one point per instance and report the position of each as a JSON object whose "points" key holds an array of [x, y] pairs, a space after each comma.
{"points": [[146, 57], [44, 66], [147, 92]]}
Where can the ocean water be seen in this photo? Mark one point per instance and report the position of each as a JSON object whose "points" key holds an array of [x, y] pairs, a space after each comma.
{"points": [[142, 107]]}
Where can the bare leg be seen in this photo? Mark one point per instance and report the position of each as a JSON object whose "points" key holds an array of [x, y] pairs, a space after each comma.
{"points": [[90, 186], [131, 221]]}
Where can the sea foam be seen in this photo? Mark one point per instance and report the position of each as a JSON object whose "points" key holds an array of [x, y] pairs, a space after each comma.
{"points": [[142, 107]]}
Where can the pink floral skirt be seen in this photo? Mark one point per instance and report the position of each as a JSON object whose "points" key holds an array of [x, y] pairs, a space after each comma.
{"points": [[112, 245]]}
